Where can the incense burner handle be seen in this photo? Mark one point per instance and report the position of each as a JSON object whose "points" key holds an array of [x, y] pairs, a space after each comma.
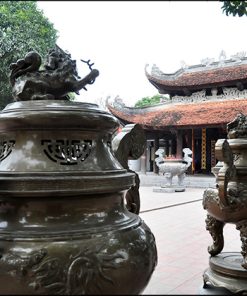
{"points": [[223, 152]]}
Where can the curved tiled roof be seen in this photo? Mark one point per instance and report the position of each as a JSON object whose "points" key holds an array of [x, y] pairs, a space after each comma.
{"points": [[207, 113], [199, 77]]}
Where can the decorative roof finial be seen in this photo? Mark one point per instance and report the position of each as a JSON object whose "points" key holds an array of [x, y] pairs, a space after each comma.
{"points": [[222, 57], [183, 65], [238, 56], [207, 61]]}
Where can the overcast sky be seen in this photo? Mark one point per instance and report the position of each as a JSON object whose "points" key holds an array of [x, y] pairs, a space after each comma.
{"points": [[121, 37]]}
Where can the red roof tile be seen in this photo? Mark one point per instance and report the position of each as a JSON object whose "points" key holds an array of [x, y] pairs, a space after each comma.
{"points": [[182, 115], [220, 76]]}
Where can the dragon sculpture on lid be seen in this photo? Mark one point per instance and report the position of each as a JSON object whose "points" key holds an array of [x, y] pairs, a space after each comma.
{"points": [[58, 78]]}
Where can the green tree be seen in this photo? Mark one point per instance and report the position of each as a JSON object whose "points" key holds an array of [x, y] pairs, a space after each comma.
{"points": [[23, 27], [234, 8], [149, 101]]}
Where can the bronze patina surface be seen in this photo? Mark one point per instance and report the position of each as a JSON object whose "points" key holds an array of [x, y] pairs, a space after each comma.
{"points": [[64, 227], [130, 144], [227, 203], [225, 270]]}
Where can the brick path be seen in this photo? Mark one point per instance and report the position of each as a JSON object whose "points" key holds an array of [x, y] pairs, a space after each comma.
{"points": [[181, 239]]}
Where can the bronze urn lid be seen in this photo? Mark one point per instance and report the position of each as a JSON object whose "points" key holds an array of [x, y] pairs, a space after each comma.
{"points": [[58, 145]]}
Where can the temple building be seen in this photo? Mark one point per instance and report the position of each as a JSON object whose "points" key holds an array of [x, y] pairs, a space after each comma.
{"points": [[202, 100]]}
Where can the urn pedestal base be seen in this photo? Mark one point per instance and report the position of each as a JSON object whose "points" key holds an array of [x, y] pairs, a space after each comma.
{"points": [[225, 271]]}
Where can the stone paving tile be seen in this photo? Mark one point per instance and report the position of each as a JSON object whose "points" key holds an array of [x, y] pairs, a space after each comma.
{"points": [[182, 241], [154, 200]]}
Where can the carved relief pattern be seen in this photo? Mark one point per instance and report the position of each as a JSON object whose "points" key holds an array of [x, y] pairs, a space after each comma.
{"points": [[83, 272], [210, 195], [20, 264], [236, 157], [242, 226], [204, 149], [228, 93], [215, 229], [6, 148], [238, 127], [149, 250], [67, 152], [234, 194], [213, 159]]}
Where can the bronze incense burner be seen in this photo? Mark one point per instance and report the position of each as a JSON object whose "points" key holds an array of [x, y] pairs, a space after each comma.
{"points": [[227, 203], [64, 226]]}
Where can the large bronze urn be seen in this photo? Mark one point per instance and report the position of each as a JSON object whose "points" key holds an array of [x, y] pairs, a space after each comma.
{"points": [[227, 203], [64, 226]]}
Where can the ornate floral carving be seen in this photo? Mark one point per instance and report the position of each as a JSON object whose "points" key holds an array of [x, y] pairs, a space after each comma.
{"points": [[242, 227], [228, 93], [6, 148], [236, 157], [67, 152]]}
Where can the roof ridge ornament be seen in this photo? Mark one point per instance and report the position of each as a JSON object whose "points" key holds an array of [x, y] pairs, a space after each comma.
{"points": [[207, 61], [147, 68], [156, 70], [206, 64], [183, 65], [118, 102], [222, 57], [238, 56]]}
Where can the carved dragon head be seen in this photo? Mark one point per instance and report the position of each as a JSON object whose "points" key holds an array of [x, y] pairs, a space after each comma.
{"points": [[58, 78]]}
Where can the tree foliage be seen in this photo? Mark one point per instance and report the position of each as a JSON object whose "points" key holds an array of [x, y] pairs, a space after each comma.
{"points": [[234, 8], [23, 27], [149, 101]]}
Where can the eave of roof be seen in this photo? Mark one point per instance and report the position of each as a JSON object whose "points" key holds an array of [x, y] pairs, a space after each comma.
{"points": [[208, 77], [208, 113]]}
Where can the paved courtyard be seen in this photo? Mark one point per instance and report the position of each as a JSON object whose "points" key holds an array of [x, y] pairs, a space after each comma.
{"points": [[177, 221]]}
